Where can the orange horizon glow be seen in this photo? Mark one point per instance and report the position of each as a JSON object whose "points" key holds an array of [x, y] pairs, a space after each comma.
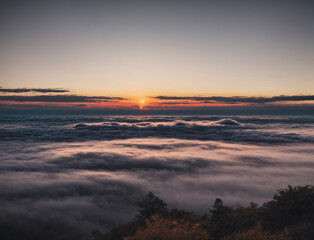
{"points": [[149, 103]]}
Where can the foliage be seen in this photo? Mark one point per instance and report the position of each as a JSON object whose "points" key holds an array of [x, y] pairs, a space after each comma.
{"points": [[304, 231], [161, 228], [290, 207], [226, 220], [289, 216], [183, 215], [257, 233]]}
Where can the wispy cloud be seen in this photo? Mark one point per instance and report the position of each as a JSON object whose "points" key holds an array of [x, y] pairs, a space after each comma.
{"points": [[59, 98], [35, 90]]}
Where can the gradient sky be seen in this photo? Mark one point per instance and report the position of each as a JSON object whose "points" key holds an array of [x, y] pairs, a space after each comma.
{"points": [[136, 49]]}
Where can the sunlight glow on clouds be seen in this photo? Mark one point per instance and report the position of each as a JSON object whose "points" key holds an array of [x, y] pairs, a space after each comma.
{"points": [[53, 97]]}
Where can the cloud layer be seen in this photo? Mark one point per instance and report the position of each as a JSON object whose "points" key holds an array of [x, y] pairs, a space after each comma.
{"points": [[237, 129], [63, 177]]}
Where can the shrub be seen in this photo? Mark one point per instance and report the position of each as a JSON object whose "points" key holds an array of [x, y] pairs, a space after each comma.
{"points": [[257, 233], [161, 228], [304, 231]]}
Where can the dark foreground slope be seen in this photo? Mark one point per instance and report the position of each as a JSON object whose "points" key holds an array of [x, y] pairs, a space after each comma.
{"points": [[288, 216]]}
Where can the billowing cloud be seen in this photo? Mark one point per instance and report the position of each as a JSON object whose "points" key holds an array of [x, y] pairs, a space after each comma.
{"points": [[245, 130]]}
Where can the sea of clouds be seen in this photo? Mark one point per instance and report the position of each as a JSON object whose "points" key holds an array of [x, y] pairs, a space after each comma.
{"points": [[63, 177]]}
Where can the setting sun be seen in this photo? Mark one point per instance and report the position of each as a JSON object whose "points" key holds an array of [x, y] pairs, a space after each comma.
{"points": [[142, 102]]}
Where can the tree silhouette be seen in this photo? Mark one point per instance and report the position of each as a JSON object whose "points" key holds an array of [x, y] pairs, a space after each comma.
{"points": [[151, 205], [218, 210], [226, 220], [290, 206]]}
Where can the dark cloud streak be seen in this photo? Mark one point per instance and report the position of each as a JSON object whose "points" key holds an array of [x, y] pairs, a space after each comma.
{"points": [[38, 90], [238, 99], [59, 98]]}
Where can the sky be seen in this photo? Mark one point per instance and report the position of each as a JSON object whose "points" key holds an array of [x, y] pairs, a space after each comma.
{"points": [[135, 51]]}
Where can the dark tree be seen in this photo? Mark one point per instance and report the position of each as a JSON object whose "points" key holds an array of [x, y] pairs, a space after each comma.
{"points": [[293, 208], [226, 220], [290, 206], [218, 223], [218, 210], [150, 206]]}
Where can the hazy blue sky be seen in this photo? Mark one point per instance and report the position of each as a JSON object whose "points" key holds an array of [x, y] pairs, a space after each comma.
{"points": [[144, 48]]}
